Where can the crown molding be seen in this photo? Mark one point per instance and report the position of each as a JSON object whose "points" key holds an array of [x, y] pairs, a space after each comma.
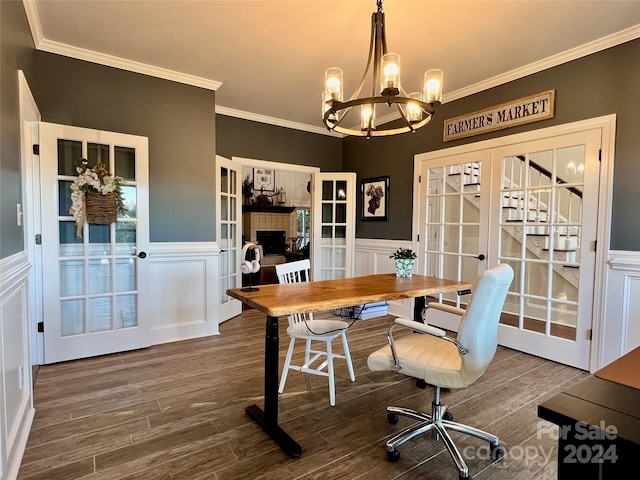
{"points": [[66, 50], [595, 46], [231, 112]]}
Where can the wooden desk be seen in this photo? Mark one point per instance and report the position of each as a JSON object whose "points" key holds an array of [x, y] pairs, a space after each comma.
{"points": [[279, 300], [599, 420]]}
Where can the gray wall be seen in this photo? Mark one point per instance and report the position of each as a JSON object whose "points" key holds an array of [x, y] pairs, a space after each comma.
{"points": [[600, 84], [16, 53], [236, 137], [179, 121]]}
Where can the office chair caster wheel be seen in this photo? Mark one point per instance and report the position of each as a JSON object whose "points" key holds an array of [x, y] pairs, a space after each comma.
{"points": [[420, 383], [447, 416], [468, 477], [497, 451], [392, 418], [393, 456]]}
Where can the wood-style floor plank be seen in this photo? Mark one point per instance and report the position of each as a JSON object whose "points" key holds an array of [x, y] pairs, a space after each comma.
{"points": [[176, 411]]}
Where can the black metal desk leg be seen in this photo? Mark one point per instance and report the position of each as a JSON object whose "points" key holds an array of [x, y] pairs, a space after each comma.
{"points": [[418, 307], [268, 419]]}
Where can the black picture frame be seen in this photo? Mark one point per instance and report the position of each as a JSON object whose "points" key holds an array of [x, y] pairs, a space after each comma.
{"points": [[375, 199], [264, 179]]}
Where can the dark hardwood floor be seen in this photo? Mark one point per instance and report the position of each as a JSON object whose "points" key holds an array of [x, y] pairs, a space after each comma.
{"points": [[176, 411]]}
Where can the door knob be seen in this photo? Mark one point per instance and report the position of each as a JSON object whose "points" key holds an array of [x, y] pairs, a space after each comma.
{"points": [[480, 257], [142, 255]]}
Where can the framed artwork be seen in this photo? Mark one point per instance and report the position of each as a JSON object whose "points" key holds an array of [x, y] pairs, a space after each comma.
{"points": [[375, 198], [264, 179]]}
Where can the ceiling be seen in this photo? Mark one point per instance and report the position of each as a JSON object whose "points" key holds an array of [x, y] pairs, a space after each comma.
{"points": [[266, 59]]}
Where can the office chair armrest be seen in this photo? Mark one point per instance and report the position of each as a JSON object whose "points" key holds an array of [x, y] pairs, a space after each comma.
{"points": [[446, 308], [422, 328]]}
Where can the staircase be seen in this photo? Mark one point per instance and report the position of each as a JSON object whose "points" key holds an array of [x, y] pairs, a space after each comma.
{"points": [[529, 210]]}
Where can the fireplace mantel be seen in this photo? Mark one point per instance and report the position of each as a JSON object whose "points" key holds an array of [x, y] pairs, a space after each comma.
{"points": [[267, 209]]}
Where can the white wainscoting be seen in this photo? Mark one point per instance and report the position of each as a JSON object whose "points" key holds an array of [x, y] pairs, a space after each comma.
{"points": [[183, 290], [16, 399], [621, 321], [372, 256]]}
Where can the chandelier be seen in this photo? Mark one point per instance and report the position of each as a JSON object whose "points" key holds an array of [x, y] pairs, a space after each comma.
{"points": [[415, 108]]}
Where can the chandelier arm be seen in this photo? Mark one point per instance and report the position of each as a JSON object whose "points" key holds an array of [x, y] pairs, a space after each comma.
{"points": [[380, 133], [383, 35], [337, 123], [428, 110], [379, 47], [371, 49]]}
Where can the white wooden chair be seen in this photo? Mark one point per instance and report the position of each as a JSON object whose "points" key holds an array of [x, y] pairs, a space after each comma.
{"points": [[303, 326]]}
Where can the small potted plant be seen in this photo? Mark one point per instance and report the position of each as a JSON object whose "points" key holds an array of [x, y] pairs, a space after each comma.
{"points": [[405, 259]]}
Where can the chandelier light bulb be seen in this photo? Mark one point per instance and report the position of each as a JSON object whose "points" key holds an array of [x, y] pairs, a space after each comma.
{"points": [[433, 86], [367, 117], [333, 82], [391, 72], [414, 112]]}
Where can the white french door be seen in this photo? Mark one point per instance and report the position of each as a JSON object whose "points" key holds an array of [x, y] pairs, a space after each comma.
{"points": [[456, 204], [547, 193], [229, 234], [533, 206], [333, 220], [95, 296]]}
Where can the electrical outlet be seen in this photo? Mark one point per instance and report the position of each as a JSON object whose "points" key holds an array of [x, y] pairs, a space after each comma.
{"points": [[19, 214]]}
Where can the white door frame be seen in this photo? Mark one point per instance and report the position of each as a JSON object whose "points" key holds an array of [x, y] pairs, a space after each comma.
{"points": [[607, 124], [29, 118], [288, 167]]}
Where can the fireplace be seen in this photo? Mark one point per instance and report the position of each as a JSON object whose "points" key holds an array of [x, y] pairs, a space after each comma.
{"points": [[273, 242]]}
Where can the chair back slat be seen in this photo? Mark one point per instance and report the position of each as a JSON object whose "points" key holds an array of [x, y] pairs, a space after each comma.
{"points": [[295, 272]]}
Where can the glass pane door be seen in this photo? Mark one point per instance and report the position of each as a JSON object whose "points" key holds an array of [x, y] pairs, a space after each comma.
{"points": [[92, 266], [455, 228], [333, 225], [546, 188], [228, 226]]}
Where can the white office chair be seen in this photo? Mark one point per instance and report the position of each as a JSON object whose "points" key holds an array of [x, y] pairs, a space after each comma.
{"points": [[303, 326], [447, 363]]}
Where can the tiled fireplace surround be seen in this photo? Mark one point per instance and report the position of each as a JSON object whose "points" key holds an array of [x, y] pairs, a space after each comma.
{"points": [[258, 221]]}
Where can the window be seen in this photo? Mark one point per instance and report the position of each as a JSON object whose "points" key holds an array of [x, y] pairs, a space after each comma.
{"points": [[302, 219]]}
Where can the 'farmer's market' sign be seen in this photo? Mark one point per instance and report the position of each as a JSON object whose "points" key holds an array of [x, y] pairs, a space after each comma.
{"points": [[518, 112]]}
